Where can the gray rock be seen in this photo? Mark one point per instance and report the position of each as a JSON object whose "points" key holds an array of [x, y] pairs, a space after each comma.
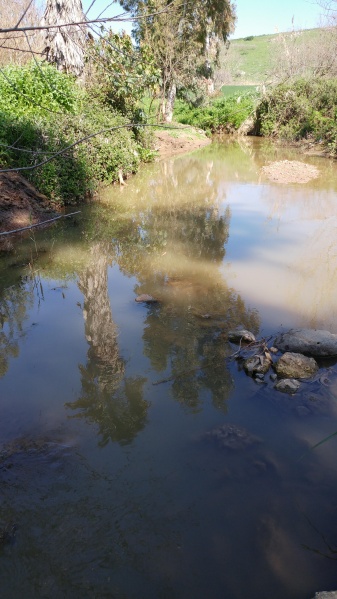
{"points": [[287, 386], [295, 366], [326, 595], [259, 376], [241, 335], [258, 364], [147, 299], [273, 377], [310, 342], [248, 127], [230, 436]]}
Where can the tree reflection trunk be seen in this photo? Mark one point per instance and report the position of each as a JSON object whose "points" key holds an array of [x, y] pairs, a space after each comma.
{"points": [[115, 404], [100, 329]]}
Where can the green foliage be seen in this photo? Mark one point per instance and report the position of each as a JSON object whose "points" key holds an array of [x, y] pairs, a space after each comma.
{"points": [[184, 39], [302, 109], [36, 87], [51, 116], [249, 38], [121, 74], [224, 114]]}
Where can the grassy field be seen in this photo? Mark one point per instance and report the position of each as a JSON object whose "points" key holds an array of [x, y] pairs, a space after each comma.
{"points": [[250, 60], [230, 90]]}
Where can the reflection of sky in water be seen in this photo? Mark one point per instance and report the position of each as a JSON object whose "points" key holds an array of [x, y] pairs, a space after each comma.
{"points": [[282, 254], [145, 505]]}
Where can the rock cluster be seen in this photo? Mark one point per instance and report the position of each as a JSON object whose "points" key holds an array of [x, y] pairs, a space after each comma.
{"points": [[300, 347]]}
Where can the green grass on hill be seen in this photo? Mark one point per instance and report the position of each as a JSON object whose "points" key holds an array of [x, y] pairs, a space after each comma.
{"points": [[250, 59], [236, 90]]}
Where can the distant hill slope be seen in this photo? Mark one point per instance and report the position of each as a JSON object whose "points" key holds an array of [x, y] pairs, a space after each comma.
{"points": [[250, 60]]}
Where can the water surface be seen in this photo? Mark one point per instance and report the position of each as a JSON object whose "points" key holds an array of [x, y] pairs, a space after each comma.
{"points": [[112, 485]]}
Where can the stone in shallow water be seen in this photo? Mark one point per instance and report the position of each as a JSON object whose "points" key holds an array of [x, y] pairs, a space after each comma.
{"points": [[258, 364], [326, 595], [241, 336], [230, 436], [287, 386], [310, 342], [295, 366], [147, 299]]}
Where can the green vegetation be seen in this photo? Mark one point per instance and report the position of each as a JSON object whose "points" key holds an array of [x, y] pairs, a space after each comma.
{"points": [[251, 60], [304, 109], [184, 39], [43, 112], [236, 90], [223, 114]]}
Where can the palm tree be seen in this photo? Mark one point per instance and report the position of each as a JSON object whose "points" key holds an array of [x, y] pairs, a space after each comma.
{"points": [[65, 46]]}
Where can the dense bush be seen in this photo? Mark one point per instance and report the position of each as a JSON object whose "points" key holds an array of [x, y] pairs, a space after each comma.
{"points": [[301, 109], [42, 112], [224, 114]]}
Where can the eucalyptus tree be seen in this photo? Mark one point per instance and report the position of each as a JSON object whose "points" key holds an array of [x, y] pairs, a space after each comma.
{"points": [[184, 37]]}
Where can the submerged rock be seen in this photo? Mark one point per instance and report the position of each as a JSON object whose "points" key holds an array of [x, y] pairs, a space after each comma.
{"points": [[145, 298], [230, 436], [258, 364], [295, 366], [289, 386], [241, 336], [326, 595], [310, 342], [7, 533]]}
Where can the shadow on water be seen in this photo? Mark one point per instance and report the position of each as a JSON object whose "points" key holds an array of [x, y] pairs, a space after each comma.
{"points": [[116, 486]]}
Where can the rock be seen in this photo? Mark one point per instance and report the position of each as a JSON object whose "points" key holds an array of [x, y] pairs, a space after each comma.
{"points": [[287, 386], [326, 595], [273, 350], [248, 127], [258, 364], [230, 436], [310, 342], [147, 299], [241, 335], [273, 377], [295, 366]]}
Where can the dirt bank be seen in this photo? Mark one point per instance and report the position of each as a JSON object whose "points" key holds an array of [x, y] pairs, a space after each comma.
{"points": [[169, 142], [21, 204]]}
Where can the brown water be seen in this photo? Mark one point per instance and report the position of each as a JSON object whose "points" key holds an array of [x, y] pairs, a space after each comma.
{"points": [[111, 485]]}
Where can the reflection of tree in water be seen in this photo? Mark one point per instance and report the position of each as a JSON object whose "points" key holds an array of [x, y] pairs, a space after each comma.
{"points": [[179, 212], [118, 408], [182, 233], [14, 302], [186, 337]]}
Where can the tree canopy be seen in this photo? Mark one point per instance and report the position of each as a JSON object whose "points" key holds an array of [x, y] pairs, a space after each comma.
{"points": [[184, 37]]}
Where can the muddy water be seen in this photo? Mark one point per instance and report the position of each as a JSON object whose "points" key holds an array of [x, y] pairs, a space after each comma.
{"points": [[115, 479]]}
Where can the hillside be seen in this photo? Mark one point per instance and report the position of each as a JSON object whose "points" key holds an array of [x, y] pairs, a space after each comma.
{"points": [[252, 60]]}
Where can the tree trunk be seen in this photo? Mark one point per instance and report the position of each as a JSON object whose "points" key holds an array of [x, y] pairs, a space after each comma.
{"points": [[65, 47], [169, 104]]}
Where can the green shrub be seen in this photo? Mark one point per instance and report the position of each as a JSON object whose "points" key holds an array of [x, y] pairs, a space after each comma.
{"points": [[43, 112], [37, 87], [226, 113], [301, 109]]}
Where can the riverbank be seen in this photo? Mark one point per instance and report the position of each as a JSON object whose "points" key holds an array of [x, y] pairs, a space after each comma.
{"points": [[22, 205], [169, 142]]}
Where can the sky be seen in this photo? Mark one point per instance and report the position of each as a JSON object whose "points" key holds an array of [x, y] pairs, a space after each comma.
{"points": [[254, 17]]}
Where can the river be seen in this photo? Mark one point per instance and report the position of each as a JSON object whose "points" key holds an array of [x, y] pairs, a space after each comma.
{"points": [[114, 479]]}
